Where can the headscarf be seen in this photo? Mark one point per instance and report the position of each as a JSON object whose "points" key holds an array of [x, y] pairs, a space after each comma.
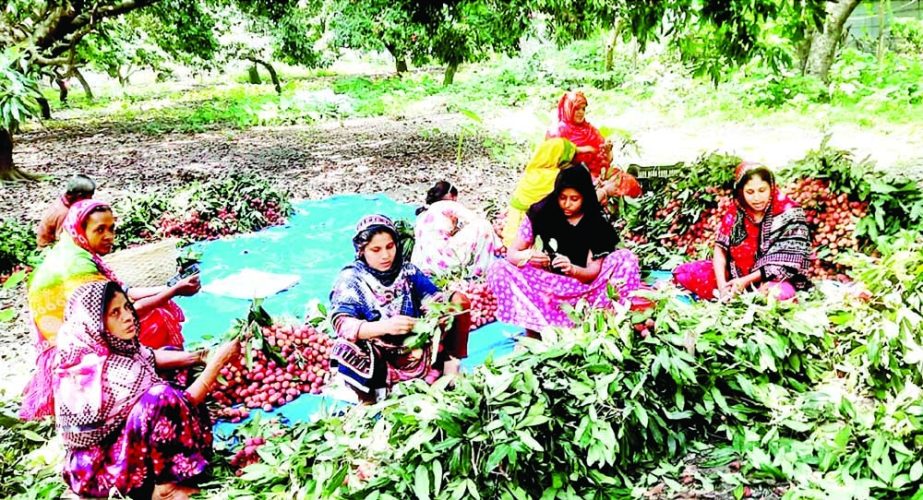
{"points": [[75, 224], [98, 377], [778, 245], [368, 294], [70, 264], [537, 181], [591, 234], [581, 134], [366, 229]]}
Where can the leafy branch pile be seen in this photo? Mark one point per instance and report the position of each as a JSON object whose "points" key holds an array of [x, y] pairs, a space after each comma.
{"points": [[238, 203], [848, 204], [18, 247], [821, 396], [28, 466]]}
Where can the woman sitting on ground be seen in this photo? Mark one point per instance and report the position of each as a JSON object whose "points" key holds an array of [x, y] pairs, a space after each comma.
{"points": [[126, 431], [578, 261], [375, 302], [449, 235], [763, 243], [89, 233], [593, 150]]}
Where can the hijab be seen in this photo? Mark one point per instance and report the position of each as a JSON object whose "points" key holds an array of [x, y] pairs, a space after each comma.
{"points": [[98, 377], [592, 234]]}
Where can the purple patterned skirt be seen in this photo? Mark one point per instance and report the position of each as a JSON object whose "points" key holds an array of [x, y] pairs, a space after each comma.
{"points": [[165, 440], [531, 298]]}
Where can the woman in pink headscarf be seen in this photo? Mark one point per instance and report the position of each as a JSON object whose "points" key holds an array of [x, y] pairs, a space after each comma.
{"points": [[126, 431], [593, 150], [763, 243], [89, 233]]}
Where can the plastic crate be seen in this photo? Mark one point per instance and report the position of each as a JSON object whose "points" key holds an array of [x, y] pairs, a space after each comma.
{"points": [[650, 176]]}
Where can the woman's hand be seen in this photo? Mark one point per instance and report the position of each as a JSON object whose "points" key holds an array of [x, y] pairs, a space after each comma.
{"points": [[563, 264], [586, 149], [188, 286], [399, 325], [225, 353], [201, 356], [539, 260], [732, 288]]}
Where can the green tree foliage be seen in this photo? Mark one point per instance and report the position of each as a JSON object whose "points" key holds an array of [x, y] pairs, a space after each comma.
{"points": [[52, 38], [377, 25], [710, 34], [452, 32]]}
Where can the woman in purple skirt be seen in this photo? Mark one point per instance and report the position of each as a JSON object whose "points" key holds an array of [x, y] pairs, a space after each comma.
{"points": [[577, 259], [126, 431]]}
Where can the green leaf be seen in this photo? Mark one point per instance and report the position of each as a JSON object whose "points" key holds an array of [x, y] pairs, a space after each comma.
{"points": [[32, 436], [496, 457], [459, 492], [473, 489], [437, 477], [7, 315], [14, 280], [529, 441], [916, 471], [421, 483], [641, 413]]}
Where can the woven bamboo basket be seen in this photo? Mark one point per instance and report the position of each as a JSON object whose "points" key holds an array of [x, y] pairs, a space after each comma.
{"points": [[152, 264]]}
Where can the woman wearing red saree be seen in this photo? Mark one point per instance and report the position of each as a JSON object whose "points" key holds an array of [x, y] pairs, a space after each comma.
{"points": [[75, 260], [763, 243], [593, 150]]}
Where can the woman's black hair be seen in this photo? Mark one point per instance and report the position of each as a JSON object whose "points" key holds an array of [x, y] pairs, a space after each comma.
{"points": [[99, 209], [763, 173], [438, 193]]}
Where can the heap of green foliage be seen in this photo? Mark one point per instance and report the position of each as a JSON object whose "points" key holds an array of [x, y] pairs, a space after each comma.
{"points": [[17, 245], [821, 395], [27, 463]]}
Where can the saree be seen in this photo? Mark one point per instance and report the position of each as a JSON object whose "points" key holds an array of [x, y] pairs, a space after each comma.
{"points": [[123, 427], [69, 265]]}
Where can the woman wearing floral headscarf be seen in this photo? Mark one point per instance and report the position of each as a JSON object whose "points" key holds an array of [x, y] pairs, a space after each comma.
{"points": [[763, 243], [375, 301], [89, 233], [593, 150], [126, 431]]}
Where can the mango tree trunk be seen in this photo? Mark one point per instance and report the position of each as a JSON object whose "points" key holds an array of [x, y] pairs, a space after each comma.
{"points": [[271, 70], [8, 171], [824, 44], [450, 71], [62, 89], [45, 107], [83, 83], [253, 74], [400, 63]]}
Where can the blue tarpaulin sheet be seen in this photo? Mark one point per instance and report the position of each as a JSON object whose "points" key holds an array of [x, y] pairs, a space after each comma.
{"points": [[314, 245]]}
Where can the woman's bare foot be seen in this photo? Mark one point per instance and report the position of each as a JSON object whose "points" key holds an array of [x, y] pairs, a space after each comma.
{"points": [[451, 366], [173, 491]]}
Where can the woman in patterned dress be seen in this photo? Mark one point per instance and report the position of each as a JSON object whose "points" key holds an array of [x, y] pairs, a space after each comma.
{"points": [[125, 430], [531, 285]]}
